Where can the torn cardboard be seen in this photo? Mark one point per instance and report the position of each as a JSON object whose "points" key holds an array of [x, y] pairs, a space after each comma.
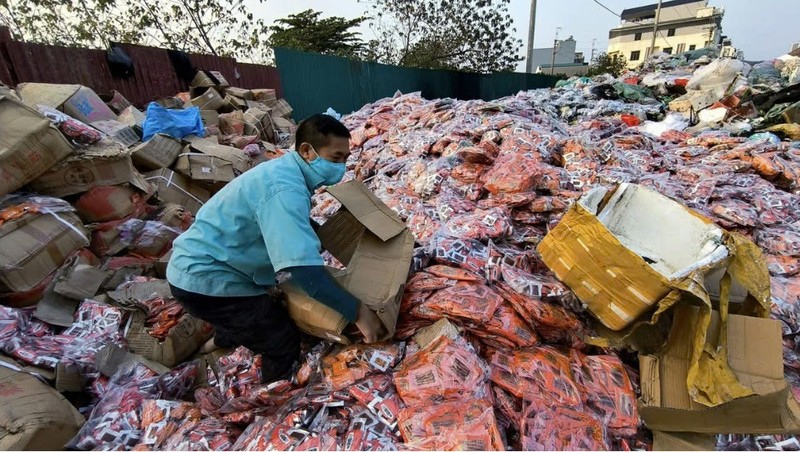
{"points": [[29, 145], [754, 354], [132, 117], [33, 415], [375, 246], [238, 158], [442, 327], [115, 101], [183, 341], [132, 294], [172, 187], [156, 153], [102, 164], [34, 246], [112, 358]]}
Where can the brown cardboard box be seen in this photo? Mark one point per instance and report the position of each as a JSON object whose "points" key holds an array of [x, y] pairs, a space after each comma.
{"points": [[201, 167], [183, 341], [282, 109], [132, 117], [33, 415], [116, 101], [259, 122], [34, 246], [754, 353], [236, 102], [265, 95], [664, 441], [283, 125], [106, 203], [102, 164], [239, 160], [156, 153], [77, 101], [29, 145], [209, 79], [118, 131], [241, 93], [172, 187], [210, 117], [209, 100], [374, 244], [635, 244]]}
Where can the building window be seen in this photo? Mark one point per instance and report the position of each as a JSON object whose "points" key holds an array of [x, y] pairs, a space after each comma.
{"points": [[692, 47], [671, 32], [635, 55], [668, 50], [637, 37], [681, 48]]}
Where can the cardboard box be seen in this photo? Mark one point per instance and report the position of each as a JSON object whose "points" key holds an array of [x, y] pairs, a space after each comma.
{"points": [[34, 246], [132, 117], [210, 117], [116, 101], [172, 187], [442, 327], [375, 245], [259, 122], [236, 103], [282, 109], [78, 101], [622, 252], [202, 167], [241, 93], [118, 131], [754, 354], [664, 441], [239, 160], [98, 165], [264, 95], [209, 79], [33, 415], [29, 145], [183, 341], [156, 153], [209, 100], [283, 125]]}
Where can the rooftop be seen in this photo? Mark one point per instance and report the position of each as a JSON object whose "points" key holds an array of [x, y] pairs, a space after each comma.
{"points": [[643, 12]]}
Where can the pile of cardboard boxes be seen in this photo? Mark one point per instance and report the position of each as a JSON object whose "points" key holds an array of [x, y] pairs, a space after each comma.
{"points": [[86, 206]]}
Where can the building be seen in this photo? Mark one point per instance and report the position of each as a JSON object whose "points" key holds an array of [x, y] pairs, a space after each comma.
{"points": [[683, 25], [567, 60]]}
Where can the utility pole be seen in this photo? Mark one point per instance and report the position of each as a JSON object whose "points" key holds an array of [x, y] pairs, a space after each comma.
{"points": [[655, 29], [555, 49], [594, 41], [531, 30]]}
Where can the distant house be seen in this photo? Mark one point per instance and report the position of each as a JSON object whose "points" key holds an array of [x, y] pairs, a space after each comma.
{"points": [[567, 60], [684, 25]]}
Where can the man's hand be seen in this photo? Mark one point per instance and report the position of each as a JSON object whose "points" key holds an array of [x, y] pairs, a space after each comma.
{"points": [[369, 324]]}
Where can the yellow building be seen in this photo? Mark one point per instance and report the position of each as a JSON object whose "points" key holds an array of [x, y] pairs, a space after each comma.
{"points": [[683, 25]]}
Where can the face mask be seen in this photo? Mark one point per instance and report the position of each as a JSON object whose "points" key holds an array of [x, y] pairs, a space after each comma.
{"points": [[331, 173]]}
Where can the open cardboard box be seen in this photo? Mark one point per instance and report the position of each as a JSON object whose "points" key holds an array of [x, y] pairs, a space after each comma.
{"points": [[78, 101], [623, 251], [375, 246], [754, 351]]}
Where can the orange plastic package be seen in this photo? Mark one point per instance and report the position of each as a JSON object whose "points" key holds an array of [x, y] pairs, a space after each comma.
{"points": [[562, 428], [468, 424], [471, 302], [162, 418], [541, 376]]}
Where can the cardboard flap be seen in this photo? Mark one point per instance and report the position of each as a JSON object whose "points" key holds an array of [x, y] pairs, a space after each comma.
{"points": [[368, 209], [49, 94]]}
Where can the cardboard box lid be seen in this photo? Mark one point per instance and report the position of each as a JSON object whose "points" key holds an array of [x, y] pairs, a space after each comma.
{"points": [[755, 357], [33, 415], [368, 209], [50, 94]]}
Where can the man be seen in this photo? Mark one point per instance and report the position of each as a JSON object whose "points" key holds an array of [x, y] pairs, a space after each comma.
{"points": [[223, 267]]}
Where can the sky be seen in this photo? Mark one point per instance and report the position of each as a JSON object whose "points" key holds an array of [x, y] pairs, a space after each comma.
{"points": [[763, 29]]}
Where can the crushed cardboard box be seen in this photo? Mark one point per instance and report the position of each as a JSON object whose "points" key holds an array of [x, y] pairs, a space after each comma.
{"points": [[33, 415], [161, 151], [122, 133], [375, 246], [116, 101], [172, 187], [34, 246], [29, 145], [203, 167], [101, 164], [239, 160], [753, 347], [241, 93], [211, 99], [107, 203]]}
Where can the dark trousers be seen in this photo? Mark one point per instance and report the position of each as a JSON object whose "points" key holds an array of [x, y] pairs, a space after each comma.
{"points": [[260, 323]]}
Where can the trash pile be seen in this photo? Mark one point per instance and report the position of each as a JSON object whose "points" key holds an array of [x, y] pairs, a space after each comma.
{"points": [[519, 217]]}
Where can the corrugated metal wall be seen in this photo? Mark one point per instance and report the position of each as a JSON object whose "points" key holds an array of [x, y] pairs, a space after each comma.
{"points": [[313, 82], [154, 76]]}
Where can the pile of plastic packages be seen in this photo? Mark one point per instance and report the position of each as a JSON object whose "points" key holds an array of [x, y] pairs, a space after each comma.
{"points": [[490, 350]]}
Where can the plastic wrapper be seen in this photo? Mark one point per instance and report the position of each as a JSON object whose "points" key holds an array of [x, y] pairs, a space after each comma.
{"points": [[470, 302], [783, 265], [203, 435], [73, 129], [480, 224], [562, 428], [162, 418], [446, 369], [542, 376], [352, 363], [468, 424]]}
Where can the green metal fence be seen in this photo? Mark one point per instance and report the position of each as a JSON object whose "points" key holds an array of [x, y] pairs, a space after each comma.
{"points": [[312, 82]]}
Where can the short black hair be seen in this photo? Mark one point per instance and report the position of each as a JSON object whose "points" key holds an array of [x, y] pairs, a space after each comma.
{"points": [[316, 130]]}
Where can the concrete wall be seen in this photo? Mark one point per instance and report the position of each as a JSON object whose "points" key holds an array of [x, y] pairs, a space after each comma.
{"points": [[564, 55]]}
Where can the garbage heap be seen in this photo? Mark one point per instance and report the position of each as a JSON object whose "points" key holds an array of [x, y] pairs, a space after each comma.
{"points": [[501, 339]]}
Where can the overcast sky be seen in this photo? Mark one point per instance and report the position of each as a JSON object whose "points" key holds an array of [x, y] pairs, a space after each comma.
{"points": [[761, 28]]}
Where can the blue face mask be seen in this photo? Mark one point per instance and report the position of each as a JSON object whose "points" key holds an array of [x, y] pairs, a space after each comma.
{"points": [[331, 172]]}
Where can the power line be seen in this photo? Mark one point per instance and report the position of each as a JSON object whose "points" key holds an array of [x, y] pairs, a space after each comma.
{"points": [[607, 9]]}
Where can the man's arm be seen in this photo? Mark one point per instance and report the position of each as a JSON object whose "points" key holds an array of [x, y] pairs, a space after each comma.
{"points": [[320, 285]]}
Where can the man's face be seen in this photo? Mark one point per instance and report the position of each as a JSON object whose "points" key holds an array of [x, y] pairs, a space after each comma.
{"points": [[337, 150]]}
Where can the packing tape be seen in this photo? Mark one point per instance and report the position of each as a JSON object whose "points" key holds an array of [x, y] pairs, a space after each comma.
{"points": [[170, 184], [68, 224]]}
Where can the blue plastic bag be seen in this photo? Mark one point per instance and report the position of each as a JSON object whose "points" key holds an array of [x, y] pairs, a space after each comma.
{"points": [[175, 123]]}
